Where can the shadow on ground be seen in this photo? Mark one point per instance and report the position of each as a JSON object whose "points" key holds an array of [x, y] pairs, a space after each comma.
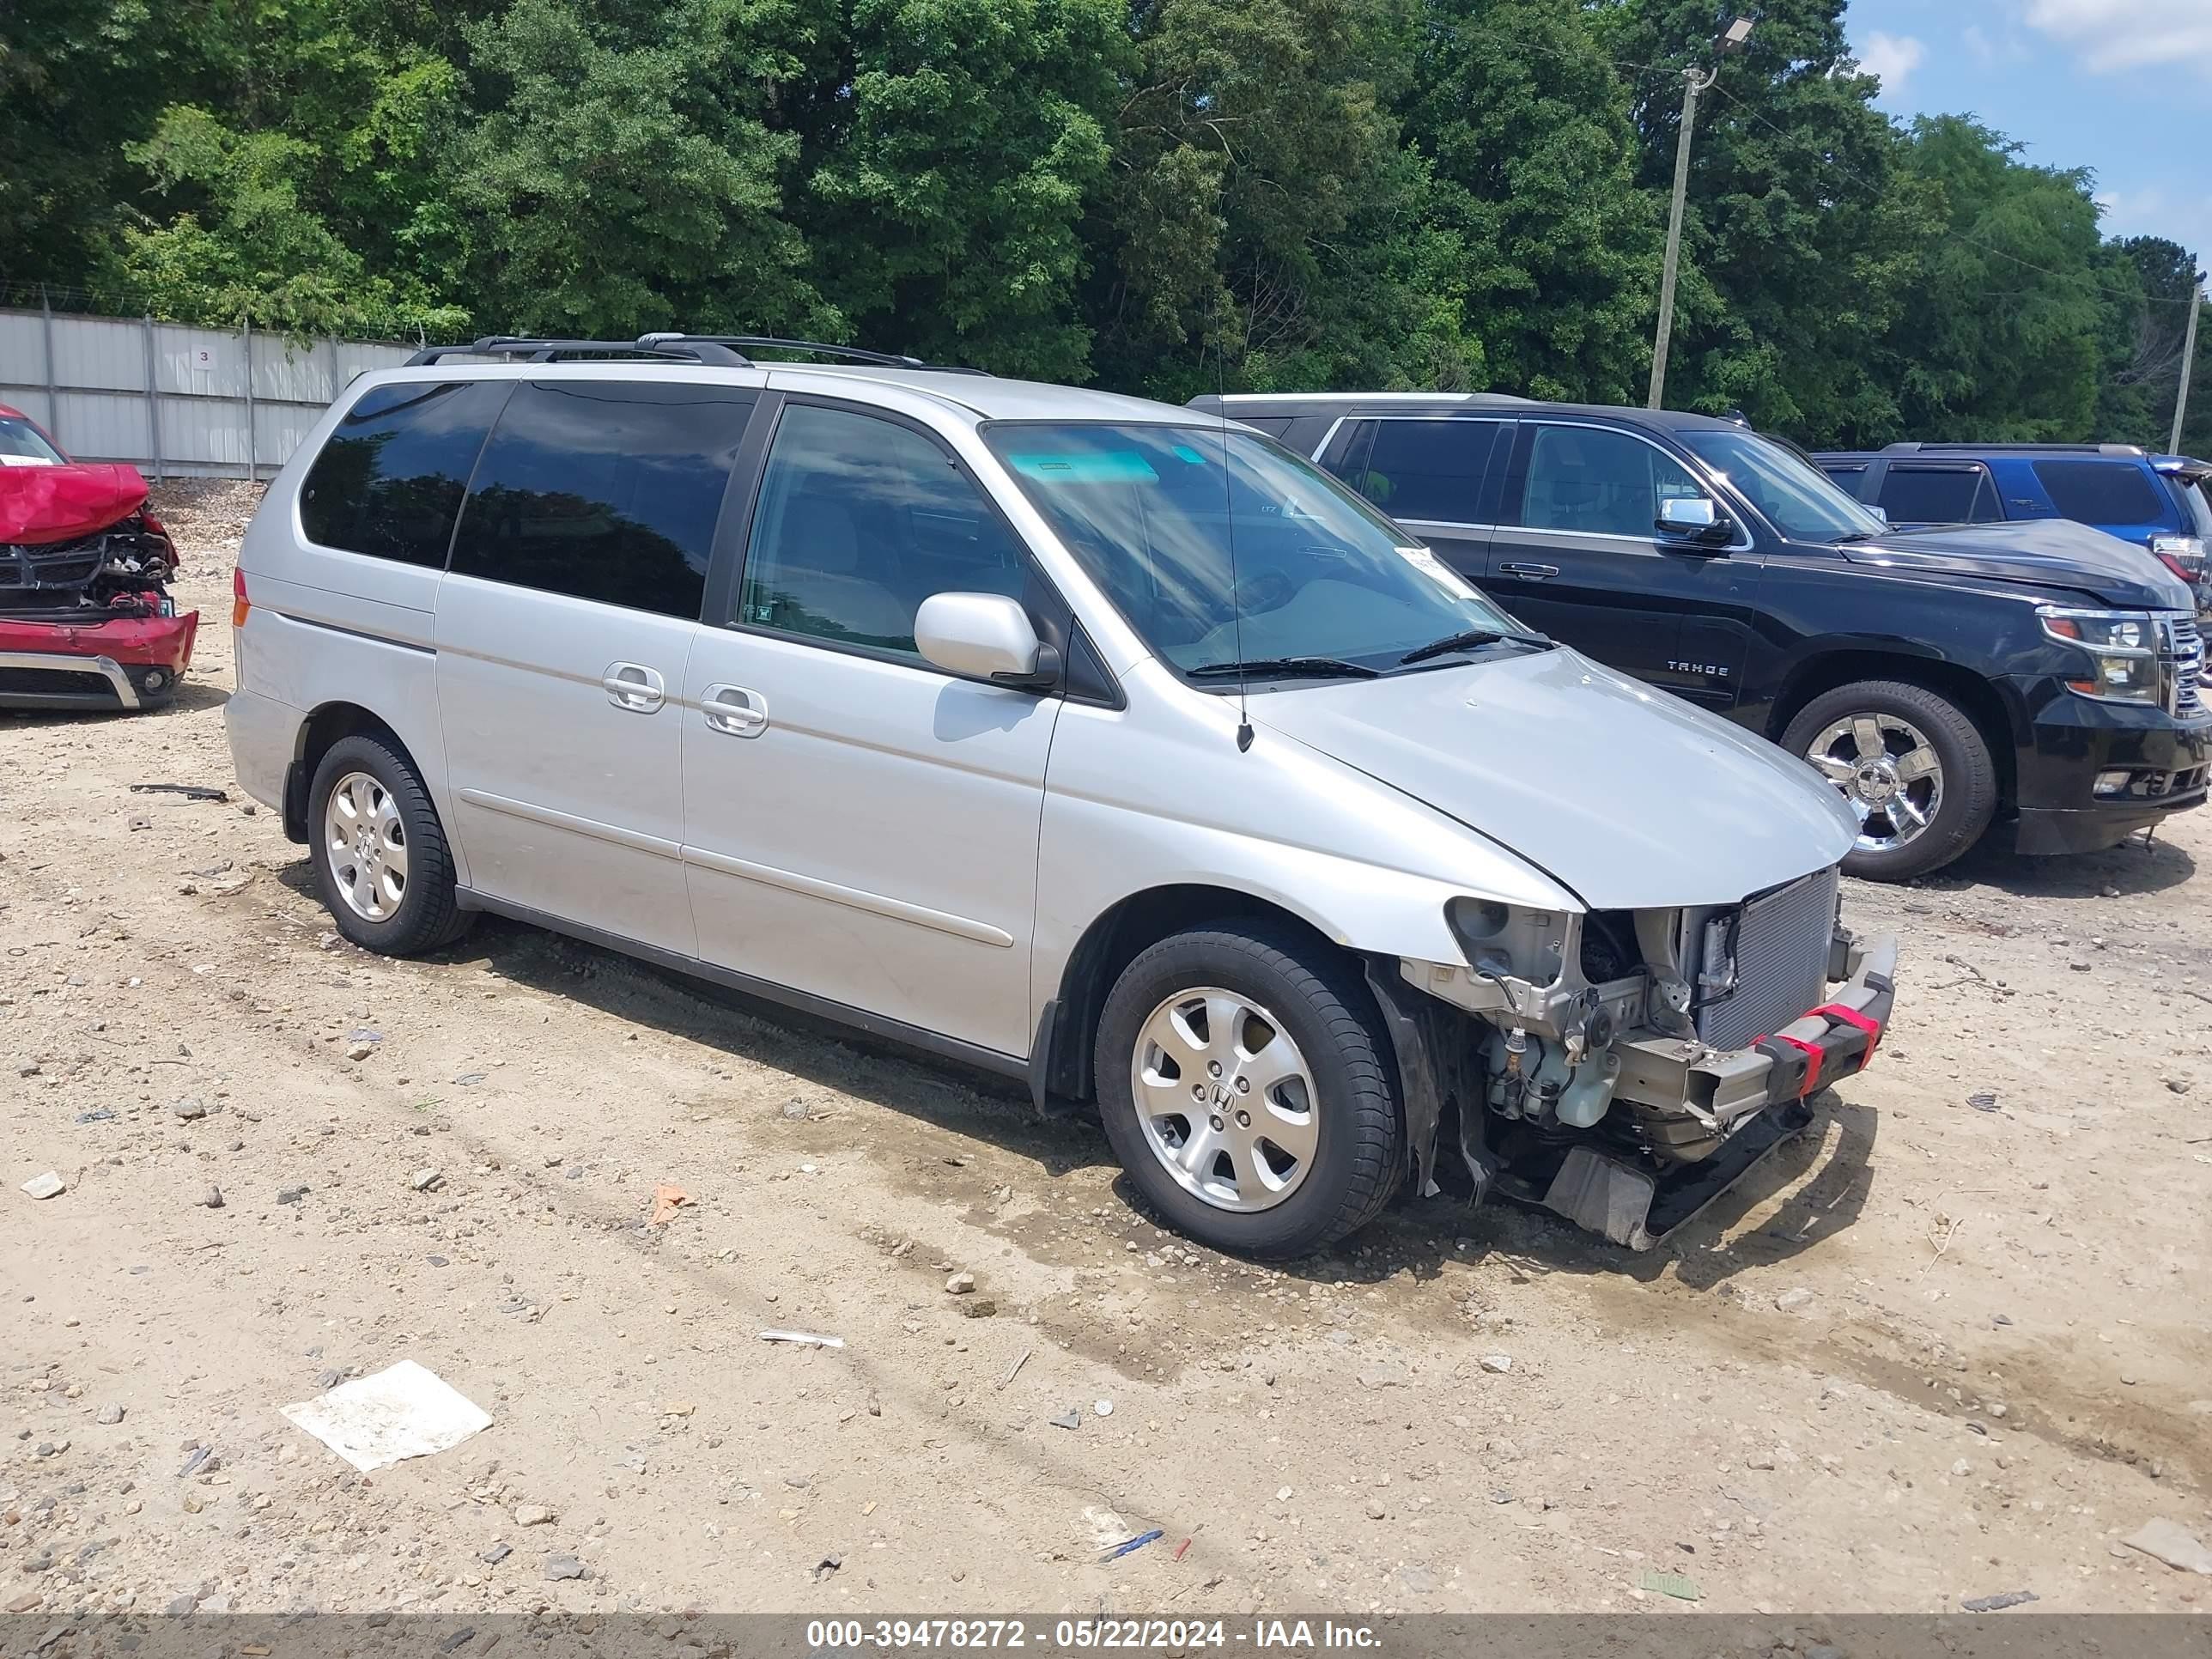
{"points": [[2133, 868], [1424, 1238]]}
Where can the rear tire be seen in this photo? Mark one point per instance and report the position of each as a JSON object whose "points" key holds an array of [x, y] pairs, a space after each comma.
{"points": [[1907, 719], [1299, 1008], [382, 865]]}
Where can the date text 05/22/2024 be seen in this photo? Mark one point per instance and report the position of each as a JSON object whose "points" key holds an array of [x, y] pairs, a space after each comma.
{"points": [[830, 1635]]}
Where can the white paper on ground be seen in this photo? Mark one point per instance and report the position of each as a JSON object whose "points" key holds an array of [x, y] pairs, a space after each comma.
{"points": [[404, 1411]]}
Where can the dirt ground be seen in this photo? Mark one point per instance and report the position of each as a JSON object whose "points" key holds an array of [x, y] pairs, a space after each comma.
{"points": [[1936, 1350]]}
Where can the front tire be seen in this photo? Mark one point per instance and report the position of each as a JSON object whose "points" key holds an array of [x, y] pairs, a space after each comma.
{"points": [[1913, 766], [1244, 1083], [382, 865]]}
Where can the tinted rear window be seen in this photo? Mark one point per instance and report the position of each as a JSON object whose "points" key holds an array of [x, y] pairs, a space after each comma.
{"points": [[1935, 494], [1427, 469], [2102, 492], [604, 491], [390, 479], [2188, 495]]}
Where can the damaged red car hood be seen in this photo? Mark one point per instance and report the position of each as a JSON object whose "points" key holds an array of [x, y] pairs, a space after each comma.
{"points": [[39, 504]]}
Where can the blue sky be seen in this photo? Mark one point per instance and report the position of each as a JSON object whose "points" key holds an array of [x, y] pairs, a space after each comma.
{"points": [[2122, 86]]}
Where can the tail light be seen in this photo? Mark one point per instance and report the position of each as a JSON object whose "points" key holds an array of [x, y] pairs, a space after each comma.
{"points": [[2182, 555], [239, 603]]}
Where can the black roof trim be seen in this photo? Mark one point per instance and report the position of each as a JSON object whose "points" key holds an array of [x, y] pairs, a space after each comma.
{"points": [[817, 348], [2134, 450], [649, 347]]}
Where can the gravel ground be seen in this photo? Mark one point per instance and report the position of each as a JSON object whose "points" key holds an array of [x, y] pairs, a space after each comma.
{"points": [[1953, 1343]]}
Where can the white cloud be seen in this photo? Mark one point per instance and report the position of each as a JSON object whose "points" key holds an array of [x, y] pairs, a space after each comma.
{"points": [[2127, 34], [1998, 52], [1892, 57]]}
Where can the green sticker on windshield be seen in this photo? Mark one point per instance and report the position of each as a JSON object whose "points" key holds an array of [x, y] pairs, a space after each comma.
{"points": [[1186, 453], [1087, 466]]}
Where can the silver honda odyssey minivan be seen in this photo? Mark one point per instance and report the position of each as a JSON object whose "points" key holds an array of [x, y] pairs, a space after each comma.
{"points": [[1093, 742]]}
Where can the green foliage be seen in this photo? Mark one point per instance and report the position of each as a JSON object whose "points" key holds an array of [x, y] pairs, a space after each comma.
{"points": [[1158, 194], [952, 176], [1525, 124]]}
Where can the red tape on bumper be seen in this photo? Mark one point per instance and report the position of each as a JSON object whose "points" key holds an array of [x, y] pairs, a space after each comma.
{"points": [[1853, 1016], [1812, 1061]]}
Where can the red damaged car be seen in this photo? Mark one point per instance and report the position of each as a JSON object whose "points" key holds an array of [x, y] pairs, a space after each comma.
{"points": [[86, 619]]}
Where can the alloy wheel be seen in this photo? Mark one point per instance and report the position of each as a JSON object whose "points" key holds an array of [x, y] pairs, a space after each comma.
{"points": [[1884, 766], [1226, 1099], [364, 840]]}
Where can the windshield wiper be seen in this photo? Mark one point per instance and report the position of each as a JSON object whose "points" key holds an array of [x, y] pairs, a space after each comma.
{"points": [[1473, 639], [1318, 667], [1858, 536]]}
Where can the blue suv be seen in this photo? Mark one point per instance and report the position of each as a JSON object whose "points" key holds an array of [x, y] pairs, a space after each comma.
{"points": [[2161, 502]]}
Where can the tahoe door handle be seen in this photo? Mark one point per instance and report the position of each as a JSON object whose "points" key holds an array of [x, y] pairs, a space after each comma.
{"points": [[734, 711], [1534, 572], [634, 686]]}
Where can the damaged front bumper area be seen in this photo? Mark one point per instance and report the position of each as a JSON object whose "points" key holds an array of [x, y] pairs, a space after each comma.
{"points": [[88, 622], [1625, 1069]]}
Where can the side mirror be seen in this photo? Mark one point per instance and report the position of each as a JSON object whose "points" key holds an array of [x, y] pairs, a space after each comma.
{"points": [[985, 636], [1695, 517]]}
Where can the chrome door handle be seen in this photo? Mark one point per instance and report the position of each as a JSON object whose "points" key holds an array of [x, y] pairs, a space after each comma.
{"points": [[634, 686], [1534, 572], [734, 711]]}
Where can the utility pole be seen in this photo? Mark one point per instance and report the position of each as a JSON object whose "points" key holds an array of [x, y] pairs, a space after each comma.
{"points": [[2188, 360], [1695, 82]]}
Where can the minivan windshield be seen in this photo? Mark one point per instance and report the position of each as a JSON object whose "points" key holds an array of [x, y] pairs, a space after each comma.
{"points": [[1160, 516], [1796, 497]]}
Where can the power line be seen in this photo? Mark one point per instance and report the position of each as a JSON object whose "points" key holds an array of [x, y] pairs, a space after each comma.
{"points": [[1960, 236], [2115, 294]]}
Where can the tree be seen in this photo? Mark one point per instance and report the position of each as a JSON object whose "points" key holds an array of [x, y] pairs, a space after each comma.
{"points": [[949, 162], [1525, 126], [1262, 223], [2147, 282], [1803, 229], [63, 129], [2001, 331], [624, 175], [252, 248]]}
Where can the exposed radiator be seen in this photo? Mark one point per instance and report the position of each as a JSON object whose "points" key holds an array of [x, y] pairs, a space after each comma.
{"points": [[1781, 950]]}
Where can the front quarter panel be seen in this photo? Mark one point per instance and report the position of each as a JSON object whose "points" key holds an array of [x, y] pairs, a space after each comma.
{"points": [[1159, 795]]}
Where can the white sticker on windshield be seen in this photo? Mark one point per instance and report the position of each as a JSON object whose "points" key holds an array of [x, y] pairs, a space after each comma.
{"points": [[1430, 565]]}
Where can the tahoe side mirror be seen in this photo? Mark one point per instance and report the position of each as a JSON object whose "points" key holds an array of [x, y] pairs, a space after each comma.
{"points": [[1695, 517], [985, 636]]}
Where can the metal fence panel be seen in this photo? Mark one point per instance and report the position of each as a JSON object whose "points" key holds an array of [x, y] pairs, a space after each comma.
{"points": [[96, 354], [211, 388]]}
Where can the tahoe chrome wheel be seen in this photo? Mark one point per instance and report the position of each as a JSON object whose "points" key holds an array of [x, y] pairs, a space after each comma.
{"points": [[1888, 771], [366, 844], [1225, 1100]]}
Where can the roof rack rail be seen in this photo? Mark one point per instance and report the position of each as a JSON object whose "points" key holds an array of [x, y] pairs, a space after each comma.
{"points": [[2050, 449], [817, 348], [666, 348]]}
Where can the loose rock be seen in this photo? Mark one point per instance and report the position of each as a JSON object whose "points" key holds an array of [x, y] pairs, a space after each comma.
{"points": [[565, 1566], [2168, 1542], [960, 1284]]}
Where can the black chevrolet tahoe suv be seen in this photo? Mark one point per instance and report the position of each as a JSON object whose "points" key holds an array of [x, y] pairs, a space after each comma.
{"points": [[2037, 681]]}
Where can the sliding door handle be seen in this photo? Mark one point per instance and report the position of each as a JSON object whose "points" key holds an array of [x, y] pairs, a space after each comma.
{"points": [[634, 686], [734, 711]]}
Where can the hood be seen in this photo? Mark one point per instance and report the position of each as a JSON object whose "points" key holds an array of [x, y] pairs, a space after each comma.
{"points": [[41, 504], [1630, 797], [2053, 553]]}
